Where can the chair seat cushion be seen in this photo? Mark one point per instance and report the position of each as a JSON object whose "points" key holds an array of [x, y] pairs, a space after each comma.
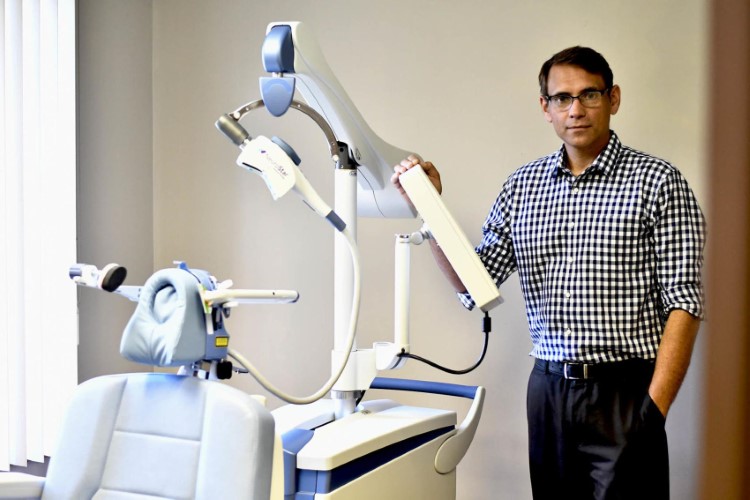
{"points": [[156, 435]]}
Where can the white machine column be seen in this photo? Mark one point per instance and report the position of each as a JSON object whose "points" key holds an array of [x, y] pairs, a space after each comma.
{"points": [[346, 391], [345, 186]]}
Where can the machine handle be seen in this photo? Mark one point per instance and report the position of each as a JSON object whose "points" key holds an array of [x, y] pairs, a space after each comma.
{"points": [[453, 449], [401, 384]]}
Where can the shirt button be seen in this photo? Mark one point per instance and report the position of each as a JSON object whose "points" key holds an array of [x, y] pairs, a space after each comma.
{"points": [[568, 331], [575, 190], [567, 295], [571, 225], [570, 260]]}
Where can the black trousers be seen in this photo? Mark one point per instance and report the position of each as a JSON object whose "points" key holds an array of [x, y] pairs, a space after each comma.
{"points": [[596, 438]]}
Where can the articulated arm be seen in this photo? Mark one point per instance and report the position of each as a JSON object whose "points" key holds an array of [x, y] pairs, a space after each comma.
{"points": [[290, 48]]}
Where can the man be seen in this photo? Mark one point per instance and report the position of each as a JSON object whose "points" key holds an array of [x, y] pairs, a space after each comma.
{"points": [[608, 243]]}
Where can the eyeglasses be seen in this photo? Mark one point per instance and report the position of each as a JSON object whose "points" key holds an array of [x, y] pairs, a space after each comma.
{"points": [[588, 98]]}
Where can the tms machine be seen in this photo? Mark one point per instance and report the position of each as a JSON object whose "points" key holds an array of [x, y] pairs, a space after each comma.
{"points": [[185, 435]]}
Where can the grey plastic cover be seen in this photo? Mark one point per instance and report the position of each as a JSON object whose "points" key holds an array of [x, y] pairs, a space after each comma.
{"points": [[168, 327]]}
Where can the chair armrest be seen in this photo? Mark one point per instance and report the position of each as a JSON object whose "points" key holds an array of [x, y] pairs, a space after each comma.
{"points": [[20, 486]]}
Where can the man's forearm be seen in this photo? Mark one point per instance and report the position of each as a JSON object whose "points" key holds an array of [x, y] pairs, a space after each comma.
{"points": [[673, 359], [446, 267]]}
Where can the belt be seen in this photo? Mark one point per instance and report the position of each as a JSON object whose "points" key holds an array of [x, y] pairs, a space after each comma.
{"points": [[585, 371]]}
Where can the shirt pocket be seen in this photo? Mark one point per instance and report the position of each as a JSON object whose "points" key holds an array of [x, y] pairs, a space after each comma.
{"points": [[617, 239]]}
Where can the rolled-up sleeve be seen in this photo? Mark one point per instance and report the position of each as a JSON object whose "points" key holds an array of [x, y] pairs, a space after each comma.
{"points": [[496, 248], [679, 240]]}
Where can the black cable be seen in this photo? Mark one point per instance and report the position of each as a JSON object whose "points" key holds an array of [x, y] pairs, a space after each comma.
{"points": [[486, 328]]}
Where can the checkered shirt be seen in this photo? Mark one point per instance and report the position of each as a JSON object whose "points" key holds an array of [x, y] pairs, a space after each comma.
{"points": [[603, 257]]}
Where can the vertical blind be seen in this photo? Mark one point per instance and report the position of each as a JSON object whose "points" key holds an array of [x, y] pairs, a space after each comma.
{"points": [[38, 316]]}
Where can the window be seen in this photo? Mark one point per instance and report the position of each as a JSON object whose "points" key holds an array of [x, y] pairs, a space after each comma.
{"points": [[38, 312]]}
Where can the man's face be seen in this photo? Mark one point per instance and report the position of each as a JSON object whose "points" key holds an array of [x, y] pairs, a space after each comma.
{"points": [[583, 129]]}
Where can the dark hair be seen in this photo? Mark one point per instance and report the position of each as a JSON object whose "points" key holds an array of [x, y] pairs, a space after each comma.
{"points": [[583, 57]]}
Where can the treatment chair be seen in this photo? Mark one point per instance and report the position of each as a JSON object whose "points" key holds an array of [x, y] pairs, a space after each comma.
{"points": [[149, 436]]}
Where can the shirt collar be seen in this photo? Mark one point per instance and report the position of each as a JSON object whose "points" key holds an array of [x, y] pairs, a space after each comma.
{"points": [[605, 162]]}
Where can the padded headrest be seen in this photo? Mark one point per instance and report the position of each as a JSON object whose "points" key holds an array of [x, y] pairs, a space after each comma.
{"points": [[168, 327]]}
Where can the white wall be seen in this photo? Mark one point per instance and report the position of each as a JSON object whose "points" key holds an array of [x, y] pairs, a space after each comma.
{"points": [[453, 81], [114, 202]]}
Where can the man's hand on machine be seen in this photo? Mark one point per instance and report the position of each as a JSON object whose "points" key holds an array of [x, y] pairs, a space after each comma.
{"points": [[410, 162]]}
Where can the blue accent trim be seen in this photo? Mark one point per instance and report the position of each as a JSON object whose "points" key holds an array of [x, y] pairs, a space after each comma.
{"points": [[277, 93], [203, 276], [293, 441], [311, 481], [399, 384], [278, 50], [306, 484], [291, 153]]}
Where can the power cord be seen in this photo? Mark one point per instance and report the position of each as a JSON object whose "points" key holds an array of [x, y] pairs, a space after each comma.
{"points": [[353, 318], [486, 329]]}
